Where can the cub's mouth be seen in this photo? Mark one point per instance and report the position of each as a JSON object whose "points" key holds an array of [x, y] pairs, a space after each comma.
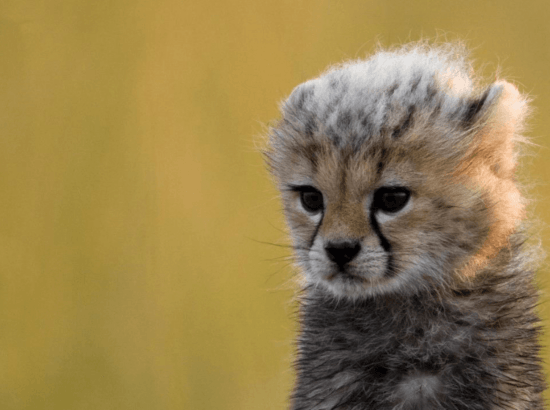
{"points": [[345, 275]]}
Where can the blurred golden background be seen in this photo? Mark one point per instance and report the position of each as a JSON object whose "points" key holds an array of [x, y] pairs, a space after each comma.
{"points": [[133, 202]]}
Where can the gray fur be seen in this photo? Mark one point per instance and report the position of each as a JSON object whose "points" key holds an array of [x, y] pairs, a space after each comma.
{"points": [[469, 347]]}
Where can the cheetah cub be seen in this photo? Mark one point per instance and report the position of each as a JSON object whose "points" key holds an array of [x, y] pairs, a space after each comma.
{"points": [[397, 180]]}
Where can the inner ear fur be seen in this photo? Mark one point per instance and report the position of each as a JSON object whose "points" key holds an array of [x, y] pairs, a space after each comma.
{"points": [[490, 163]]}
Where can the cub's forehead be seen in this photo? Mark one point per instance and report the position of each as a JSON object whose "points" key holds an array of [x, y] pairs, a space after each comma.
{"points": [[417, 104], [384, 79], [385, 94]]}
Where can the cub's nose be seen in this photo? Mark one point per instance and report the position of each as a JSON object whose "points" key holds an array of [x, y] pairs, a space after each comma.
{"points": [[342, 252]]}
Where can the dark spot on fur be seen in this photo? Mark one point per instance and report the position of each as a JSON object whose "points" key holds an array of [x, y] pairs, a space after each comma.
{"points": [[381, 161], [401, 129], [367, 126], [431, 91], [415, 82], [334, 137], [392, 89], [365, 121], [310, 127], [473, 108], [343, 121], [301, 100], [305, 94]]}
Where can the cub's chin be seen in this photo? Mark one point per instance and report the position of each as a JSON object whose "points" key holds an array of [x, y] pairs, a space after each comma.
{"points": [[351, 283]]}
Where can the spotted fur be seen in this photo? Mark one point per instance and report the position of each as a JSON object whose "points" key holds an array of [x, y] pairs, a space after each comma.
{"points": [[432, 305]]}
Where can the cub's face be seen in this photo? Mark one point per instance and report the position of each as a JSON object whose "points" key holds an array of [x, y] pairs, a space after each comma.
{"points": [[396, 172], [385, 218]]}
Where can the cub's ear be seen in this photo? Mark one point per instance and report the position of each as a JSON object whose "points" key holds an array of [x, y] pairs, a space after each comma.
{"points": [[478, 108], [497, 119], [501, 103]]}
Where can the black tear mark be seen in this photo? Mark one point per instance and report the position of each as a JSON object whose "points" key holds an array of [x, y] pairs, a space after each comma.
{"points": [[473, 108], [390, 269], [316, 230], [401, 129], [374, 223]]}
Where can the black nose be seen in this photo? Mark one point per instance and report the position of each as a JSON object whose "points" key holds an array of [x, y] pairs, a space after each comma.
{"points": [[342, 252]]}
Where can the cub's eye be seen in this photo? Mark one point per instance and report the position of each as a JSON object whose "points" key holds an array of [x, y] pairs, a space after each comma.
{"points": [[312, 199], [391, 199]]}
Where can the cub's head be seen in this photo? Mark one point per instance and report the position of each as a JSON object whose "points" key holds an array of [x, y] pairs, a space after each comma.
{"points": [[397, 172]]}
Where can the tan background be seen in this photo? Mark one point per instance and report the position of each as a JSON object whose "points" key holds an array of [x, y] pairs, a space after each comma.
{"points": [[132, 198]]}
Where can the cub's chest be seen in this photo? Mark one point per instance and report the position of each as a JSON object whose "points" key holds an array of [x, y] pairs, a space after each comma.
{"points": [[419, 391]]}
